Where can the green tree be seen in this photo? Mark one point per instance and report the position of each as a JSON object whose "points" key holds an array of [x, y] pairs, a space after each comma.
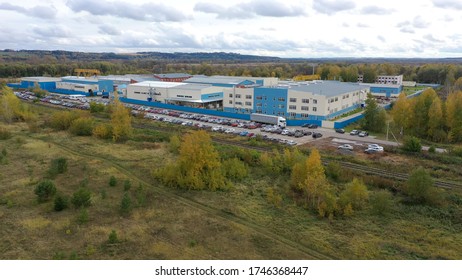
{"points": [[60, 203], [125, 205], [112, 181], [420, 188], [113, 238], [82, 127], [120, 121], [81, 198], [97, 107], [369, 74], [374, 116], [45, 190]]}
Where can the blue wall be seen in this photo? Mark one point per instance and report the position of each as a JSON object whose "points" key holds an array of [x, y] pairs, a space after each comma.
{"points": [[341, 112], [26, 84], [301, 122], [387, 91], [347, 122], [106, 85], [269, 100]]}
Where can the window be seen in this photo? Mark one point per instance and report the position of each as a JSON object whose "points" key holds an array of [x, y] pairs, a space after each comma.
{"points": [[248, 103], [305, 101], [258, 111], [305, 108], [281, 99], [280, 106], [293, 115], [258, 98], [248, 97], [258, 104], [315, 101], [292, 107], [315, 109], [231, 95], [238, 103], [238, 96], [336, 99], [304, 115], [230, 102], [293, 100]]}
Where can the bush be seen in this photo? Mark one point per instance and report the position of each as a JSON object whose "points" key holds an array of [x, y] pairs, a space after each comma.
{"points": [[102, 131], [81, 198], [125, 205], [112, 181], [432, 149], [96, 107], [62, 120], [412, 144], [381, 202], [57, 166], [113, 239], [420, 188], [61, 203], [82, 218], [82, 127], [45, 190], [333, 171], [235, 169]]}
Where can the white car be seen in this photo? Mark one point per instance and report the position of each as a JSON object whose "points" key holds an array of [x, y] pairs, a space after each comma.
{"points": [[374, 146], [374, 150], [346, 147], [230, 130], [217, 128]]}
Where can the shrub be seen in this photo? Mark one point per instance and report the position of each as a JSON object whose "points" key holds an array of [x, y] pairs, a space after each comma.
{"points": [[412, 144], [62, 120], [381, 202], [432, 149], [102, 131], [82, 127], [112, 181], [235, 169], [57, 166], [333, 171], [420, 188], [125, 205], [82, 218], [113, 239], [61, 202], [174, 144], [96, 107], [45, 190], [355, 194], [81, 198]]}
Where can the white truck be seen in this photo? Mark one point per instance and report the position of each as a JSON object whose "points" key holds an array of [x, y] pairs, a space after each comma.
{"points": [[269, 119]]}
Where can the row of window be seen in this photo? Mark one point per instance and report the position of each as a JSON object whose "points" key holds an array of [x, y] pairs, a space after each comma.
{"points": [[240, 103], [239, 96]]}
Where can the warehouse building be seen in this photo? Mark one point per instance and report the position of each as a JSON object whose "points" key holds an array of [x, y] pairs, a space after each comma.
{"points": [[385, 90], [83, 85], [172, 77], [385, 79], [46, 83], [319, 100], [183, 94]]}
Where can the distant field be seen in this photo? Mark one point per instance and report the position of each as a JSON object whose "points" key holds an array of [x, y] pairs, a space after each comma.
{"points": [[168, 223]]}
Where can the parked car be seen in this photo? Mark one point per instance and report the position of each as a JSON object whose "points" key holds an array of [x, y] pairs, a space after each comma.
{"points": [[374, 150], [340, 130], [346, 147], [317, 135], [291, 143], [363, 134], [374, 146], [354, 132], [244, 133]]}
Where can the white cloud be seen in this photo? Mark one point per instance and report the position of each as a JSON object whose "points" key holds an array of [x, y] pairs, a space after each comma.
{"points": [[330, 7], [44, 12]]}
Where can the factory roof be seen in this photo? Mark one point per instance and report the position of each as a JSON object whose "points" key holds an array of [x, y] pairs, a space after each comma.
{"points": [[217, 80], [41, 79], [326, 88], [158, 84], [172, 75]]}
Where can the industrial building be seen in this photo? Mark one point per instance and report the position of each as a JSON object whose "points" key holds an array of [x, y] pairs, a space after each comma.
{"points": [[318, 100], [385, 79], [183, 94], [83, 85], [172, 77], [385, 90], [46, 83]]}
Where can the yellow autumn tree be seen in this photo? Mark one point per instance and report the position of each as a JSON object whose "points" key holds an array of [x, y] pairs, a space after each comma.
{"points": [[354, 197], [120, 121], [11, 108], [199, 165], [454, 116], [436, 122], [401, 112]]}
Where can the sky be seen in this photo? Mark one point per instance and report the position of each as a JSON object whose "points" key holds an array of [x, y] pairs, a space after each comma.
{"points": [[283, 28]]}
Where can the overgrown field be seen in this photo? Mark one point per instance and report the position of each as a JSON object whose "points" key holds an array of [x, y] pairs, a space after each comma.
{"points": [[175, 195]]}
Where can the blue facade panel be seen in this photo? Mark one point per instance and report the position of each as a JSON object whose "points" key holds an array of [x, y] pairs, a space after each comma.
{"points": [[47, 85], [388, 92], [81, 81], [106, 86], [212, 96], [341, 112], [301, 122], [344, 123], [271, 101]]}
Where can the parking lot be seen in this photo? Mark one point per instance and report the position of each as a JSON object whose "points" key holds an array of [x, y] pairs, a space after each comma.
{"points": [[289, 136]]}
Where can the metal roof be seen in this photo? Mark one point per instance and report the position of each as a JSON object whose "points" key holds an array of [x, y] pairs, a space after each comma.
{"points": [[41, 79], [158, 84], [326, 88], [217, 80], [173, 75]]}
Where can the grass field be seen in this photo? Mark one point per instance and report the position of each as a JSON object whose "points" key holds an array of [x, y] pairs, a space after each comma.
{"points": [[169, 223]]}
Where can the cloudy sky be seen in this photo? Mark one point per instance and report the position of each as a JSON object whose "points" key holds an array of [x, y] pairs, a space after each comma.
{"points": [[284, 28]]}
